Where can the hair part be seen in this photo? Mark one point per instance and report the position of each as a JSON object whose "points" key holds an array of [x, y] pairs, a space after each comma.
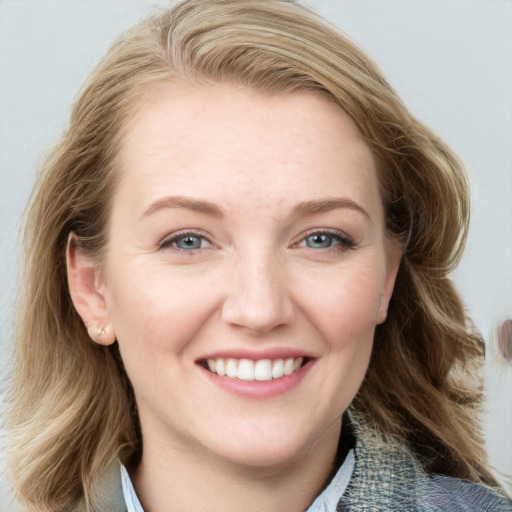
{"points": [[71, 406]]}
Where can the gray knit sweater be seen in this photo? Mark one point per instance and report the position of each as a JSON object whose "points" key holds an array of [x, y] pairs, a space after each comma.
{"points": [[387, 477]]}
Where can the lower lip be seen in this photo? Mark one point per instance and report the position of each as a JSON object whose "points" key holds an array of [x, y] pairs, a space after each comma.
{"points": [[259, 389]]}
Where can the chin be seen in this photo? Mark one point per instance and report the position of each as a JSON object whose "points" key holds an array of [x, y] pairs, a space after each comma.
{"points": [[273, 449]]}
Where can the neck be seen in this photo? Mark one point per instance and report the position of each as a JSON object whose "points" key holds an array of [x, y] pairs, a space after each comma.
{"points": [[176, 477]]}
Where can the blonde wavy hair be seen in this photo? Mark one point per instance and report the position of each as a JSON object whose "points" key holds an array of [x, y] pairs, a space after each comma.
{"points": [[71, 406]]}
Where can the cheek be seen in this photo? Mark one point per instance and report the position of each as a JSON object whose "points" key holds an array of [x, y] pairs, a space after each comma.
{"points": [[345, 309], [157, 310]]}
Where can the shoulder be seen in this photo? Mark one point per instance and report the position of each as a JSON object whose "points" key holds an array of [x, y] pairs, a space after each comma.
{"points": [[107, 491], [387, 476], [446, 493]]}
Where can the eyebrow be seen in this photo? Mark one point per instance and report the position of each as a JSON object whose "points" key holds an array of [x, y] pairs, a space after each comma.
{"points": [[174, 202], [311, 207], [327, 204]]}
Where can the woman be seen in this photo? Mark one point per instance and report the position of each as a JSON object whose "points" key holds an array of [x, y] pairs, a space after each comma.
{"points": [[236, 292]]}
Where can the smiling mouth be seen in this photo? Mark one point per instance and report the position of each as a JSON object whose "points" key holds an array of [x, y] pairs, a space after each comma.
{"points": [[249, 370]]}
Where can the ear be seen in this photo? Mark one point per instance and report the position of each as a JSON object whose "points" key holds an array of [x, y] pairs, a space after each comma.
{"points": [[87, 291], [394, 251]]}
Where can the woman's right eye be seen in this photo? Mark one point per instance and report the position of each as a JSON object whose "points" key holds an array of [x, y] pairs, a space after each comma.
{"points": [[187, 242]]}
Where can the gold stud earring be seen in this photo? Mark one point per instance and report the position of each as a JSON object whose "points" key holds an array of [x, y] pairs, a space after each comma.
{"points": [[104, 335], [100, 331]]}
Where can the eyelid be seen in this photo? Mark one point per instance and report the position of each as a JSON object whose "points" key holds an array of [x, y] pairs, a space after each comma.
{"points": [[167, 241], [345, 240], [170, 238]]}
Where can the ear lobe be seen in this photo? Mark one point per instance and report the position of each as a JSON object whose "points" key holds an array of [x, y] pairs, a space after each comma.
{"points": [[394, 258], [102, 335], [87, 292], [383, 310]]}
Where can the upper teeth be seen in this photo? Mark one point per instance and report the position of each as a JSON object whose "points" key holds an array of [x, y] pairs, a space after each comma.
{"points": [[247, 369]]}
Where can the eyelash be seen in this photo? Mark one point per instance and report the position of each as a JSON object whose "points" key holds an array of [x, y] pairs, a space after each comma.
{"points": [[167, 243], [345, 242]]}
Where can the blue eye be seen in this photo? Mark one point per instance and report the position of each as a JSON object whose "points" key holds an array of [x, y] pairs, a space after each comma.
{"points": [[185, 242], [320, 241], [327, 240], [188, 242]]}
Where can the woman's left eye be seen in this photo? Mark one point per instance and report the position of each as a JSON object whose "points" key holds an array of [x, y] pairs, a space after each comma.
{"points": [[326, 240], [186, 242]]}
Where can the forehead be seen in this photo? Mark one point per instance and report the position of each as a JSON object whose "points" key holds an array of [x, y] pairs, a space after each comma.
{"points": [[228, 142]]}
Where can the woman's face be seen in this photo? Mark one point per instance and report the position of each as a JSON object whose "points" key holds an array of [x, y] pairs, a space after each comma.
{"points": [[246, 238]]}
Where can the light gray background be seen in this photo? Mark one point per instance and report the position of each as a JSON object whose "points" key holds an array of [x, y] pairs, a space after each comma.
{"points": [[450, 60]]}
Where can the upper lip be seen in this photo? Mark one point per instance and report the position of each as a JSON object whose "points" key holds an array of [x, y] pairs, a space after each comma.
{"points": [[256, 355]]}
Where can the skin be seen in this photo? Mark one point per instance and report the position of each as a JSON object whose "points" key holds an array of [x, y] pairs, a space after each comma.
{"points": [[258, 283]]}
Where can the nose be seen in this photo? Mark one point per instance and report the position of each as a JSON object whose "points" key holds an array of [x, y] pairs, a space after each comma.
{"points": [[258, 297]]}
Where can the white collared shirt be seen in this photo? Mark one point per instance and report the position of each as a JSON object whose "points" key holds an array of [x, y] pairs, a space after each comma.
{"points": [[325, 502]]}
